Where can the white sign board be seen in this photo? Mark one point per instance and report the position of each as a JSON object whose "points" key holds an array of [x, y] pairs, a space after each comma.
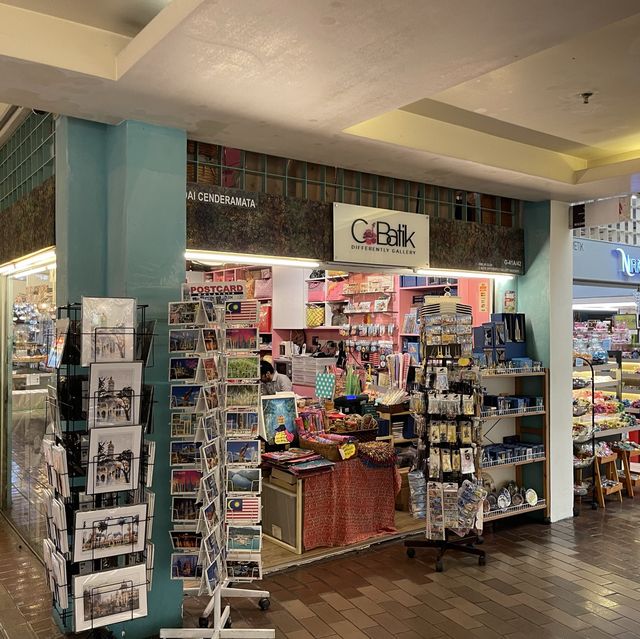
{"points": [[365, 235], [601, 213]]}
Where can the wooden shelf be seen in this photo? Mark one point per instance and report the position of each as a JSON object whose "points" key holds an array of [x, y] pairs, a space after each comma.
{"points": [[612, 489], [616, 431]]}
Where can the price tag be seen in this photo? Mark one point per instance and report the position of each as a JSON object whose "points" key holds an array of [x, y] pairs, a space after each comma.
{"points": [[281, 437], [32, 380], [347, 450]]}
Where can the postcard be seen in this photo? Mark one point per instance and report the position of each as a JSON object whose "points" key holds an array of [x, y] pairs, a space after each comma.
{"points": [[243, 509], [150, 499], [244, 480], [184, 453], [115, 390], [110, 531], [241, 339], [185, 481], [243, 367], [185, 313], [108, 329], [185, 566], [208, 399], [184, 340], [241, 312], [242, 395], [184, 510], [213, 314], [183, 369], [185, 539], [210, 455], [243, 567], [185, 397], [244, 538], [114, 458], [209, 339], [242, 452], [241, 423], [184, 424], [109, 597]]}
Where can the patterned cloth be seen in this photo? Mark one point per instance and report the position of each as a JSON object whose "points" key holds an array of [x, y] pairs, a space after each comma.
{"points": [[351, 504]]}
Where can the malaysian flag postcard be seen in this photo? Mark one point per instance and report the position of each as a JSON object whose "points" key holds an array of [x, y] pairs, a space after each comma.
{"points": [[242, 312], [245, 509]]}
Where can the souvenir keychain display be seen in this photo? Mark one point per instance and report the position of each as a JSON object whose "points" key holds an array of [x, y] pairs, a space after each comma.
{"points": [[446, 409]]}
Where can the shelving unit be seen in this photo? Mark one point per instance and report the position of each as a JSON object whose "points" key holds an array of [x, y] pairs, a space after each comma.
{"points": [[528, 426]]}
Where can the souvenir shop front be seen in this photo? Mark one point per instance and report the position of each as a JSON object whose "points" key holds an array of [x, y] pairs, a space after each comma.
{"points": [[343, 291]]}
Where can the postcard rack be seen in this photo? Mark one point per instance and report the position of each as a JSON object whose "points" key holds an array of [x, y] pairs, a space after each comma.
{"points": [[98, 553], [215, 455]]}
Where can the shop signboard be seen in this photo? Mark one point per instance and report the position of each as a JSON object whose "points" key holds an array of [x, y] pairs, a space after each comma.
{"points": [[367, 235], [217, 292], [597, 261]]}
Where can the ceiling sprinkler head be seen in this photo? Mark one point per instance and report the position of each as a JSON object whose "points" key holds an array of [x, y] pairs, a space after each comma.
{"points": [[585, 96]]}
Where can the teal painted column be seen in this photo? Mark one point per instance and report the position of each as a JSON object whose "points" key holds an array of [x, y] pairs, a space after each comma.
{"points": [[120, 231]]}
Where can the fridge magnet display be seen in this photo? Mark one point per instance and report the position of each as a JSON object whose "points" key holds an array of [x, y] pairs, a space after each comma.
{"points": [[185, 539], [184, 313], [183, 369], [108, 329], [184, 510], [244, 539], [210, 454], [114, 458], [185, 481], [184, 424], [109, 532], [184, 340], [114, 393], [242, 395], [54, 358], [185, 397], [185, 566], [241, 312], [184, 453], [209, 339], [243, 367], [109, 597], [243, 509], [244, 480], [279, 413], [242, 452], [241, 423], [242, 339], [244, 567]]}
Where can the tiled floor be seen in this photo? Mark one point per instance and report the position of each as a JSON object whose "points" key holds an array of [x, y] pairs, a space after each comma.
{"points": [[577, 578]]}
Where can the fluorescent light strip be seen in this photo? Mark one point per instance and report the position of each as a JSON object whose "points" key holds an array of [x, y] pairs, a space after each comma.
{"points": [[33, 271], [43, 258], [214, 259], [499, 277]]}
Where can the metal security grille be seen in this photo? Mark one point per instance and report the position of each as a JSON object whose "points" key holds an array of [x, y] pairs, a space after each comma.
{"points": [[27, 159], [258, 172]]}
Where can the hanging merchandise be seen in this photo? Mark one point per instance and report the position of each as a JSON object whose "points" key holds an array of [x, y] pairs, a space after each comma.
{"points": [[352, 383]]}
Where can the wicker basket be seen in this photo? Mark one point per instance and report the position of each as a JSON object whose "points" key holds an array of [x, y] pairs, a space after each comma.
{"points": [[367, 435], [328, 451]]}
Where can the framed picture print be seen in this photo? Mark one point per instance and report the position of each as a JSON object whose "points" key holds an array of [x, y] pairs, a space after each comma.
{"points": [[242, 452], [185, 397], [183, 369], [109, 531], [109, 597], [279, 413], [241, 423], [184, 340], [244, 480], [184, 510], [241, 367], [108, 329], [115, 393], [241, 339], [185, 481], [114, 458]]}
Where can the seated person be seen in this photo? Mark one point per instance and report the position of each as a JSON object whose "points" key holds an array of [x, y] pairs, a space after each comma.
{"points": [[273, 382]]}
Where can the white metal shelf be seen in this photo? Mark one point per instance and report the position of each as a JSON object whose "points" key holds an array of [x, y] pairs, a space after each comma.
{"points": [[514, 510], [514, 412], [517, 461]]}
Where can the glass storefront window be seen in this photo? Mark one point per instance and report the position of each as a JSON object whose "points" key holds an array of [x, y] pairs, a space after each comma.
{"points": [[29, 327]]}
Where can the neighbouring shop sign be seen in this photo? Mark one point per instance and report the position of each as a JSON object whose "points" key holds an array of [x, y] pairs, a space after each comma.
{"points": [[367, 235], [598, 261]]}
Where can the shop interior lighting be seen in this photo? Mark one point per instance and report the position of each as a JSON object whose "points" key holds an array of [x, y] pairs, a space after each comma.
{"points": [[213, 258], [41, 259], [434, 272], [32, 271]]}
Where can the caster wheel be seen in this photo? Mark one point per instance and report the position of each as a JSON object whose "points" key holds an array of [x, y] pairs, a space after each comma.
{"points": [[203, 622], [479, 540], [482, 561], [411, 553], [264, 603], [227, 623], [594, 506], [439, 566]]}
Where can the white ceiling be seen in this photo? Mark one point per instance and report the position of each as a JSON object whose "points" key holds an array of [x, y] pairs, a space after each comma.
{"points": [[290, 78]]}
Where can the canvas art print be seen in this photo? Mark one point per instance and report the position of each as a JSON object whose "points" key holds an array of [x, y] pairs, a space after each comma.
{"points": [[241, 424], [242, 395], [184, 340], [183, 313], [114, 458], [185, 566], [108, 329], [279, 413], [244, 538], [108, 532], [243, 452], [243, 367], [114, 393], [244, 480], [183, 369], [242, 339], [185, 482], [185, 397], [184, 510], [109, 597]]}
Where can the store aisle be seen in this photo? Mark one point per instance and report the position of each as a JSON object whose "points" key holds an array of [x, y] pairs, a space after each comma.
{"points": [[577, 578]]}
